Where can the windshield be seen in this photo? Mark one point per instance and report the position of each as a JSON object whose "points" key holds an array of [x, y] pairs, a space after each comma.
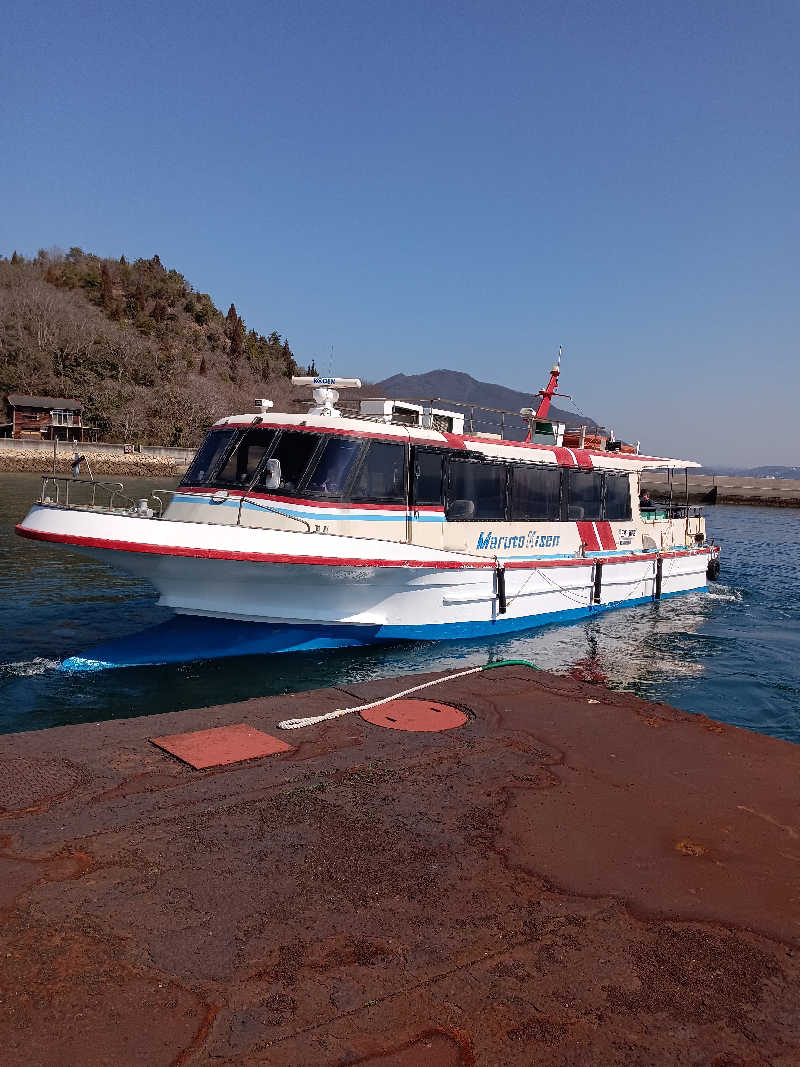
{"points": [[208, 457], [334, 467], [243, 462]]}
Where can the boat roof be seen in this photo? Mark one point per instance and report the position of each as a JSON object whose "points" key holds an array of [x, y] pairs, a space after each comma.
{"points": [[491, 447]]}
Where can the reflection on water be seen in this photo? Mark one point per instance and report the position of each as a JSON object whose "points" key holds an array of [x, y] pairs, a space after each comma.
{"points": [[733, 654]]}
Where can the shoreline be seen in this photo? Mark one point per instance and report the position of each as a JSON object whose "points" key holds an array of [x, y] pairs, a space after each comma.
{"points": [[24, 457]]}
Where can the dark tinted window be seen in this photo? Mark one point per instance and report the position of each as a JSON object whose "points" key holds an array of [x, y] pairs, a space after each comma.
{"points": [[535, 493], [475, 491], [330, 476], [584, 495], [427, 477], [618, 497], [240, 467], [382, 476], [208, 456], [294, 450]]}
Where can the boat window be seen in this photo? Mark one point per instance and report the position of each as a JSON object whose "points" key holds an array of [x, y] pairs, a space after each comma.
{"points": [[475, 491], [535, 493], [427, 488], [618, 497], [294, 451], [584, 495], [208, 456], [335, 465], [242, 464], [382, 476]]}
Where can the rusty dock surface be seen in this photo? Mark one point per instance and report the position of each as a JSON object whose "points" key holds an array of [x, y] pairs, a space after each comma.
{"points": [[572, 876]]}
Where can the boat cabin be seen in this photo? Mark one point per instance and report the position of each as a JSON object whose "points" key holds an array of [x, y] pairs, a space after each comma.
{"points": [[307, 463], [394, 473]]}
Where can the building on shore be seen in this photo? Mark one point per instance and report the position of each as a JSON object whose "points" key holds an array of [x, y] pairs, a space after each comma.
{"points": [[46, 418]]}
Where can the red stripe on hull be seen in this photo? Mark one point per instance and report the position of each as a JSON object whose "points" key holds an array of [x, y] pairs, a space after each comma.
{"points": [[607, 539], [564, 457], [588, 536], [454, 440], [107, 544], [78, 541]]}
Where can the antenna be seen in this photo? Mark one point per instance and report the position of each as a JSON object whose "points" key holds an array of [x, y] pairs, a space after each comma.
{"points": [[324, 393]]}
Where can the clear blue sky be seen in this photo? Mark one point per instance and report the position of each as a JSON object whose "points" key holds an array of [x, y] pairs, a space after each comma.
{"points": [[424, 185]]}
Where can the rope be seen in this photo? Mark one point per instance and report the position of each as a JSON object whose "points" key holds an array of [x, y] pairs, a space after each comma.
{"points": [[566, 592], [296, 724]]}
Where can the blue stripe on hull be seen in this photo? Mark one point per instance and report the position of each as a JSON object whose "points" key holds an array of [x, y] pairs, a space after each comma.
{"points": [[190, 637]]}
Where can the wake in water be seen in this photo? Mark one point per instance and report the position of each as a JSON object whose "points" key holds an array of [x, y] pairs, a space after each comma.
{"points": [[723, 592], [29, 668]]}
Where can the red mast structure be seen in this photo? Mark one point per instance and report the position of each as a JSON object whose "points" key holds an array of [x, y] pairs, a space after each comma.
{"points": [[546, 396]]}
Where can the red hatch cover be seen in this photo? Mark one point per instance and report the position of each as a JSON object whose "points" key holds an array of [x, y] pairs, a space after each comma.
{"points": [[422, 715], [221, 745]]}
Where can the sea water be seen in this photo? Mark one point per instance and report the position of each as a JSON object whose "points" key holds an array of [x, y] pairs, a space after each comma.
{"points": [[732, 653]]}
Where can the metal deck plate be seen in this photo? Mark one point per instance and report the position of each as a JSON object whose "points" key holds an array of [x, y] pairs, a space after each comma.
{"points": [[221, 745], [415, 715]]}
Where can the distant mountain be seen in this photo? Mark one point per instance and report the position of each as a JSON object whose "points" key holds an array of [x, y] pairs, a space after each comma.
{"points": [[461, 391], [752, 472]]}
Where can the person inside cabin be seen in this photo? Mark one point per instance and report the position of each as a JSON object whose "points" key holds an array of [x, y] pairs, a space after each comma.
{"points": [[644, 499]]}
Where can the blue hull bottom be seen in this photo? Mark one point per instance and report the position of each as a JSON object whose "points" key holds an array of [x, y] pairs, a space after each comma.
{"points": [[190, 637]]}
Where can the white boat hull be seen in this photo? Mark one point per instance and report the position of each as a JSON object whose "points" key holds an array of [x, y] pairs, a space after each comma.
{"points": [[366, 588]]}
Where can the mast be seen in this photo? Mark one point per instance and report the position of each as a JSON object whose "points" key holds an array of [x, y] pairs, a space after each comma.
{"points": [[533, 417], [548, 393]]}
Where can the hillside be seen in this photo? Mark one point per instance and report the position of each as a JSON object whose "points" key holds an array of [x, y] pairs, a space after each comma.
{"points": [[152, 359], [463, 390]]}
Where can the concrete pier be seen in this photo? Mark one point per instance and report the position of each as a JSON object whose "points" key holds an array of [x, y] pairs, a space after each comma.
{"points": [[573, 876], [716, 489]]}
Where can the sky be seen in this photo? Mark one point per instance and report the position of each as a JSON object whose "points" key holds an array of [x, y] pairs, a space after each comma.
{"points": [[402, 187]]}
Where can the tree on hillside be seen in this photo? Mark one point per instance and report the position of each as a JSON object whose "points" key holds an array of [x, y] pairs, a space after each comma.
{"points": [[107, 288], [235, 332], [288, 359]]}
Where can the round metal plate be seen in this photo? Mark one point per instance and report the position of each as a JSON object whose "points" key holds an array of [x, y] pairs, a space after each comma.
{"points": [[418, 715]]}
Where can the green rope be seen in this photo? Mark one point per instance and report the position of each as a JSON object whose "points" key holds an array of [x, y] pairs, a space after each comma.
{"points": [[512, 663]]}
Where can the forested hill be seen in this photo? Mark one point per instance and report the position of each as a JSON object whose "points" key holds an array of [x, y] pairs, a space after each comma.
{"points": [[151, 359]]}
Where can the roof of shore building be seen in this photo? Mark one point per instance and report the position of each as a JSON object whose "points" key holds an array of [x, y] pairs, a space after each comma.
{"points": [[18, 400]]}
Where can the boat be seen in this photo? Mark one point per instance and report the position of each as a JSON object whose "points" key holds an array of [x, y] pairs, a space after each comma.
{"points": [[389, 522]]}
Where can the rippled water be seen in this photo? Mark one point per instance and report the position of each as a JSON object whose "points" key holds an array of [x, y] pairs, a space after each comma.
{"points": [[733, 654]]}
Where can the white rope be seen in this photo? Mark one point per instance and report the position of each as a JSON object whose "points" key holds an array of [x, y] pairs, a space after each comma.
{"points": [[296, 724]]}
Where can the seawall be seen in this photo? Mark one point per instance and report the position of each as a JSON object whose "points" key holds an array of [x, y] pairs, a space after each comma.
{"points": [[716, 489], [104, 458]]}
